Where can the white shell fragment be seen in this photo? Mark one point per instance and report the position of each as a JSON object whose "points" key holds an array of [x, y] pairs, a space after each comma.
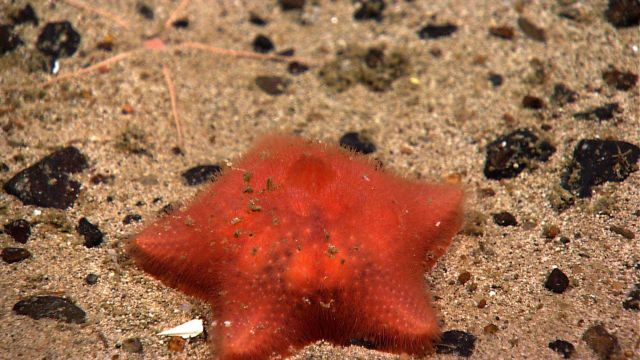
{"points": [[187, 330]]}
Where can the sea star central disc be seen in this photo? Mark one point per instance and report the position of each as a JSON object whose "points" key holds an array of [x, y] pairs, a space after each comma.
{"points": [[301, 241]]}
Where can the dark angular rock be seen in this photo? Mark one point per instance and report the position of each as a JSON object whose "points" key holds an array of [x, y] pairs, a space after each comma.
{"points": [[47, 183], [563, 95], [557, 281], [24, 16], [200, 174], [92, 235], [532, 102], [623, 13], [562, 347], [433, 31], [262, 44], [632, 302], [287, 5], [495, 79], [532, 30], [272, 85], [131, 218], [12, 255], [601, 342], [181, 23], [52, 307], [58, 39], [600, 113], [19, 230], [456, 342], [510, 154], [358, 143], [369, 10], [256, 19], [287, 52], [505, 218], [9, 40], [297, 68], [145, 11], [598, 161], [621, 80], [91, 279]]}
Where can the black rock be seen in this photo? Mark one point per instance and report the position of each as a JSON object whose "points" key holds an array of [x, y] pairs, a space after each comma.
{"points": [[356, 142], [369, 10], [621, 80], [132, 345], [272, 85], [91, 279], [598, 161], [505, 218], [297, 68], [632, 302], [557, 281], [287, 5], [262, 44], [456, 342], [52, 307], [287, 52], [510, 154], [131, 218], [562, 347], [92, 235], [24, 16], [255, 19], [562, 95], [623, 13], [58, 39], [600, 113], [19, 230], [181, 23], [145, 11], [12, 255], [495, 79], [200, 174], [47, 183], [532, 102], [9, 40], [432, 31]]}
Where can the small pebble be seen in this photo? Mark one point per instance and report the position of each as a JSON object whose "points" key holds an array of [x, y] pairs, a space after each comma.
{"points": [[505, 218], [531, 30], [52, 307], [24, 16], [297, 68], [600, 113], [272, 85], [92, 235], [532, 102], [601, 342], [433, 31], [131, 218], [622, 231], [357, 142], [621, 80], [262, 44], [256, 19], [464, 277], [632, 301], [369, 10], [102, 179], [145, 11], [176, 344], [550, 231], [456, 342], [200, 174], [287, 5], [557, 281], [508, 155], [132, 345], [12, 255], [495, 79], [562, 95], [181, 23], [91, 279], [19, 230], [598, 161], [562, 347], [490, 329], [58, 39], [9, 39], [502, 32], [623, 13]]}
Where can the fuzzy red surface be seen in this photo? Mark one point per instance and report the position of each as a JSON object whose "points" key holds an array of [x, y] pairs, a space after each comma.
{"points": [[301, 241]]}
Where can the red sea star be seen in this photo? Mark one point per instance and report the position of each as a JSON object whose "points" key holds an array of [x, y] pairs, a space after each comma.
{"points": [[302, 241]]}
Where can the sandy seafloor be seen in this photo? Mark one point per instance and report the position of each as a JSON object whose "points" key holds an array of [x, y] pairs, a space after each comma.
{"points": [[433, 122]]}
